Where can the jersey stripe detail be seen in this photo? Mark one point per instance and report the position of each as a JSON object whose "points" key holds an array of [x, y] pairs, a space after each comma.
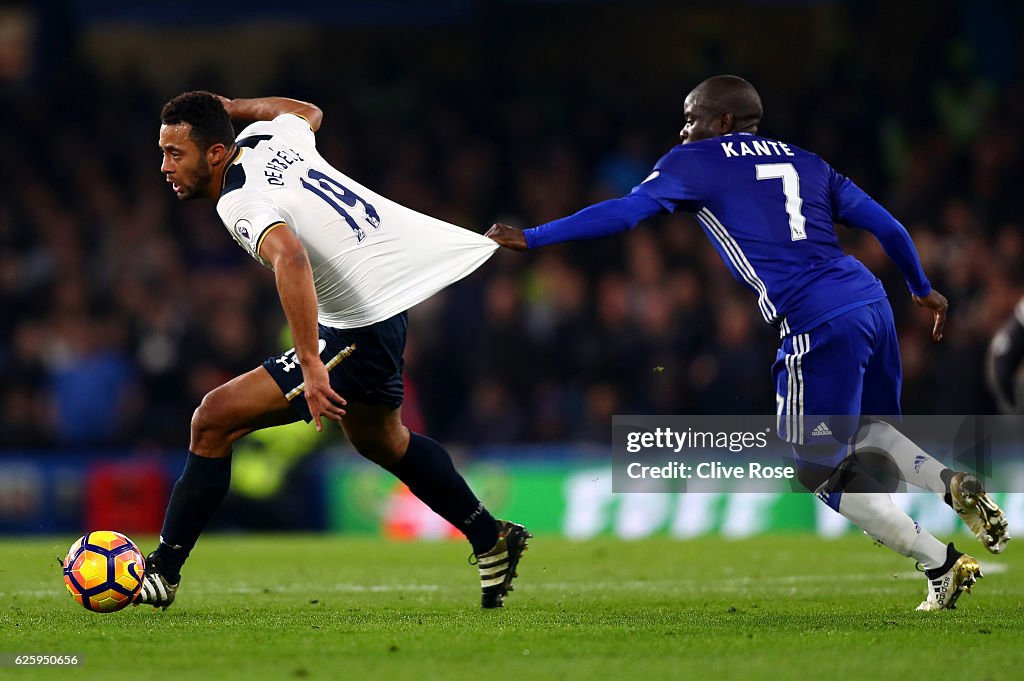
{"points": [[805, 345], [790, 390], [270, 228], [795, 389], [740, 263], [730, 254]]}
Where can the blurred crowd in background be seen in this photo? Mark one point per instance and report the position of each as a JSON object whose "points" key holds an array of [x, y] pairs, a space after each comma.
{"points": [[121, 307]]}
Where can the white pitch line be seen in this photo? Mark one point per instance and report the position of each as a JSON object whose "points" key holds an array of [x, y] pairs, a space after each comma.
{"points": [[332, 588]]}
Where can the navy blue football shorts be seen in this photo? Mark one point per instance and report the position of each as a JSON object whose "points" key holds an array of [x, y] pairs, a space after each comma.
{"points": [[365, 364], [827, 378]]}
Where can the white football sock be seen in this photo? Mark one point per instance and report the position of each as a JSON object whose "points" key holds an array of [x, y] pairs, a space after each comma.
{"points": [[914, 465], [876, 514]]}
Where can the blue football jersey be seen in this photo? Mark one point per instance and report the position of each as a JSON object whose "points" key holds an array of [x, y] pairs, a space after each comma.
{"points": [[770, 210]]}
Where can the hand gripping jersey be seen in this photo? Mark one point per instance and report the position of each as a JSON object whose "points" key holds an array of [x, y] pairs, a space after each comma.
{"points": [[371, 257]]}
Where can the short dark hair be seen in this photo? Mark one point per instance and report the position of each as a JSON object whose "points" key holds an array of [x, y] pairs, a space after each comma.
{"points": [[204, 112]]}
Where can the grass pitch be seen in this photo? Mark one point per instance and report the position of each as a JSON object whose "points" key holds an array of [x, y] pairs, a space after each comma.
{"points": [[280, 607]]}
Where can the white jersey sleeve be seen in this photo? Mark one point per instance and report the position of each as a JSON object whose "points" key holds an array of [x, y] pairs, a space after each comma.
{"points": [[249, 216]]}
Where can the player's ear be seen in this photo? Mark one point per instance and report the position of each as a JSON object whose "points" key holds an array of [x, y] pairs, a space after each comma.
{"points": [[216, 153], [726, 123]]}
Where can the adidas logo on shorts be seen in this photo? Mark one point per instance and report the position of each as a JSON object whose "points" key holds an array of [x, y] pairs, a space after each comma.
{"points": [[821, 429]]}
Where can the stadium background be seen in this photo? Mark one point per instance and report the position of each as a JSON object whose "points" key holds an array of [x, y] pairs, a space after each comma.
{"points": [[121, 307]]}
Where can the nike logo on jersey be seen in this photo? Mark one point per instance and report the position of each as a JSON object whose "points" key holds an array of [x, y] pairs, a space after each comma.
{"points": [[652, 176]]}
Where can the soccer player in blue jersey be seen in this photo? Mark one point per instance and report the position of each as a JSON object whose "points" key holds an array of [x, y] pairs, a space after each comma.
{"points": [[770, 210]]}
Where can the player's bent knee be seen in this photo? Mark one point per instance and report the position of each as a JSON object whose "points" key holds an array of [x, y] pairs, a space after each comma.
{"points": [[211, 428]]}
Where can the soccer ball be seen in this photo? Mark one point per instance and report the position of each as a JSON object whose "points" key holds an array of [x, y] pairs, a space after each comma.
{"points": [[104, 571]]}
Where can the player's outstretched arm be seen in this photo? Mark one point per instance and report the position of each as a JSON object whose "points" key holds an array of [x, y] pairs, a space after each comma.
{"points": [[601, 219], [937, 303], [269, 108]]}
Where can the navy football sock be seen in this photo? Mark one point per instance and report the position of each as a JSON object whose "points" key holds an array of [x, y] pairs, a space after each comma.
{"points": [[428, 471], [196, 495]]}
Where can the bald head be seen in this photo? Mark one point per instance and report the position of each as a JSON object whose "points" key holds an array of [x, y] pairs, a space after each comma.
{"points": [[720, 105]]}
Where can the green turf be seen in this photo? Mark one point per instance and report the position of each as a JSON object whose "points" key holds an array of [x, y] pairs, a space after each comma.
{"points": [[793, 607]]}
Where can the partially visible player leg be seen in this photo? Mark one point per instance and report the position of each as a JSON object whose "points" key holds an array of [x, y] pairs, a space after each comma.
{"points": [[1004, 361], [376, 431], [245, 404]]}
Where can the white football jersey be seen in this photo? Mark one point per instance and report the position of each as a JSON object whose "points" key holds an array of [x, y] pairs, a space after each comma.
{"points": [[371, 257]]}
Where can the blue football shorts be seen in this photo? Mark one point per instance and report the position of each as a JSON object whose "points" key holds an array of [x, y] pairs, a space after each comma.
{"points": [[827, 378], [365, 364]]}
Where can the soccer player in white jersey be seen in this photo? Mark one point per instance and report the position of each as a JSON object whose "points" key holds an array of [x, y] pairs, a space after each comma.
{"points": [[348, 263]]}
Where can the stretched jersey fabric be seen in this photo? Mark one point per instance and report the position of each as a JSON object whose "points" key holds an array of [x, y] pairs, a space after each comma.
{"points": [[371, 257], [770, 210]]}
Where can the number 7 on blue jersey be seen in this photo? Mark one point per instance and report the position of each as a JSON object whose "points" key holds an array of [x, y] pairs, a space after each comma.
{"points": [[791, 189]]}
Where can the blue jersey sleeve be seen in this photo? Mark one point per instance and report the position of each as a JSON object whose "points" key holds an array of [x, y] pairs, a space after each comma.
{"points": [[677, 179], [853, 206], [601, 219]]}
